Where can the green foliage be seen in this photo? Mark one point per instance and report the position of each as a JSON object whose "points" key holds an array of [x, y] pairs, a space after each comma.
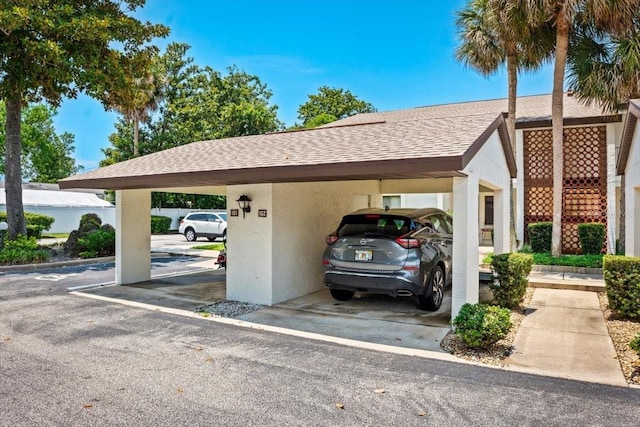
{"points": [[23, 250], [98, 243], [591, 237], [622, 280], [89, 222], [510, 273], [194, 104], [36, 223], [331, 103], [635, 344], [191, 201], [540, 236], [160, 224], [481, 325], [51, 50], [46, 156], [588, 261]]}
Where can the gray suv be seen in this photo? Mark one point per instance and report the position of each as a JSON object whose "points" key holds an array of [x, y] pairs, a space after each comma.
{"points": [[397, 252], [204, 224]]}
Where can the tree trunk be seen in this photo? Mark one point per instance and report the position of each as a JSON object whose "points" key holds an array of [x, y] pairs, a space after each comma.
{"points": [[557, 118], [136, 131], [512, 75], [13, 168]]}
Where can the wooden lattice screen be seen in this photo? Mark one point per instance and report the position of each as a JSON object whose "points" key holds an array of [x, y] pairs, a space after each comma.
{"points": [[585, 180]]}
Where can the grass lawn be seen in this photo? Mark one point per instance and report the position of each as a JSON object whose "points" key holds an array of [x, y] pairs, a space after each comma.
{"points": [[210, 247], [588, 261], [55, 236]]}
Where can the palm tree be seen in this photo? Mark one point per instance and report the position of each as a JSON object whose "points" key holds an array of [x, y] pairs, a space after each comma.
{"points": [[495, 32], [142, 97], [606, 70], [610, 17]]}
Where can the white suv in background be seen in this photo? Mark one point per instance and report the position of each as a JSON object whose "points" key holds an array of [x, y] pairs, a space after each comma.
{"points": [[204, 224]]}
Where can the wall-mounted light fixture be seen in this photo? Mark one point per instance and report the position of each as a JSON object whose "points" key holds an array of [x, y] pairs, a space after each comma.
{"points": [[244, 202]]}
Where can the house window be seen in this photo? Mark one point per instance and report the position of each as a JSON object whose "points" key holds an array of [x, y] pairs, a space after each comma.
{"points": [[488, 210], [391, 201]]}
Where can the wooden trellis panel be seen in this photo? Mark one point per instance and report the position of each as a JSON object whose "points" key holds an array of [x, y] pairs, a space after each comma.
{"points": [[585, 180]]}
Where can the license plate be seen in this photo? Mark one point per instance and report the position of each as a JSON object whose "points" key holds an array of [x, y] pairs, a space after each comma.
{"points": [[362, 255]]}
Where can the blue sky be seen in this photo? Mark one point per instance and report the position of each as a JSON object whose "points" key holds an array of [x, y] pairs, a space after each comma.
{"points": [[394, 54]]}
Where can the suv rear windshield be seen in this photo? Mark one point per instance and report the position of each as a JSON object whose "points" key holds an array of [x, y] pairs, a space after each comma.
{"points": [[371, 225]]}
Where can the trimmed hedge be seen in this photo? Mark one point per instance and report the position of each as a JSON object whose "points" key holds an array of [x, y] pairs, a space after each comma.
{"points": [[160, 224], [540, 236], [591, 237], [481, 325], [510, 281], [622, 280], [36, 223]]}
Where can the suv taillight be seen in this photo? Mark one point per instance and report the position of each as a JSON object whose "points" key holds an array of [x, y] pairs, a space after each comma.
{"points": [[331, 239], [407, 242]]}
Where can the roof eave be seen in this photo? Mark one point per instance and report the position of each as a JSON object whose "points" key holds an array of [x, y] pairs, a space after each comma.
{"points": [[438, 167], [627, 136]]}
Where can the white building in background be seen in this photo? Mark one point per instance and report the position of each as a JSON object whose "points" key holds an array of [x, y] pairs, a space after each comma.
{"points": [[65, 206]]}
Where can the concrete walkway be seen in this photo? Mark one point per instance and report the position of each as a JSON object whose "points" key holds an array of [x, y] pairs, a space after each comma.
{"points": [[564, 335]]}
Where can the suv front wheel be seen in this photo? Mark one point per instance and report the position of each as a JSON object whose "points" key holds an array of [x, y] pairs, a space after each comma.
{"points": [[190, 235]]}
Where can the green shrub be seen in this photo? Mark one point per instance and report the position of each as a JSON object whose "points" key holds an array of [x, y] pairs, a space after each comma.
{"points": [[510, 282], [635, 344], [160, 224], [480, 325], [591, 238], [89, 222], [36, 223], [588, 261], [622, 280], [540, 236], [98, 243], [23, 250]]}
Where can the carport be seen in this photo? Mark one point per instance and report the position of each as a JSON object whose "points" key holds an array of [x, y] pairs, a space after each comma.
{"points": [[302, 182], [629, 166]]}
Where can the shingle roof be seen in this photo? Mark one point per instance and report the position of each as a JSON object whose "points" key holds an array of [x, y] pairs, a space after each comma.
{"points": [[430, 141], [439, 146], [531, 110]]}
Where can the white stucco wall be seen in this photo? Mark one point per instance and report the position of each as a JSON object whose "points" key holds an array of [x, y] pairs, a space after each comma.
{"points": [[632, 197], [279, 257], [67, 218]]}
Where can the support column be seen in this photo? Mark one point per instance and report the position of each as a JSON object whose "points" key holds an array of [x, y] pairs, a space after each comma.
{"points": [[501, 232], [465, 243], [133, 236], [632, 219]]}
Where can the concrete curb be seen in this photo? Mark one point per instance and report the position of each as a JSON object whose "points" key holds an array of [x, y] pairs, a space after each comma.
{"points": [[70, 263], [575, 285], [48, 265]]}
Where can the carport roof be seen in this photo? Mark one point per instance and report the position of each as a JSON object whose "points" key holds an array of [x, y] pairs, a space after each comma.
{"points": [[413, 147], [627, 136]]}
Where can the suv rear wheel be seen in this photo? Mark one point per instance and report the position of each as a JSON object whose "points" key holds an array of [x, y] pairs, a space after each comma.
{"points": [[341, 294], [190, 235], [436, 284]]}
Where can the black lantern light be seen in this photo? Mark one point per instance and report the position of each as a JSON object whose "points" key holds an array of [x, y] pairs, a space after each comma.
{"points": [[244, 203]]}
